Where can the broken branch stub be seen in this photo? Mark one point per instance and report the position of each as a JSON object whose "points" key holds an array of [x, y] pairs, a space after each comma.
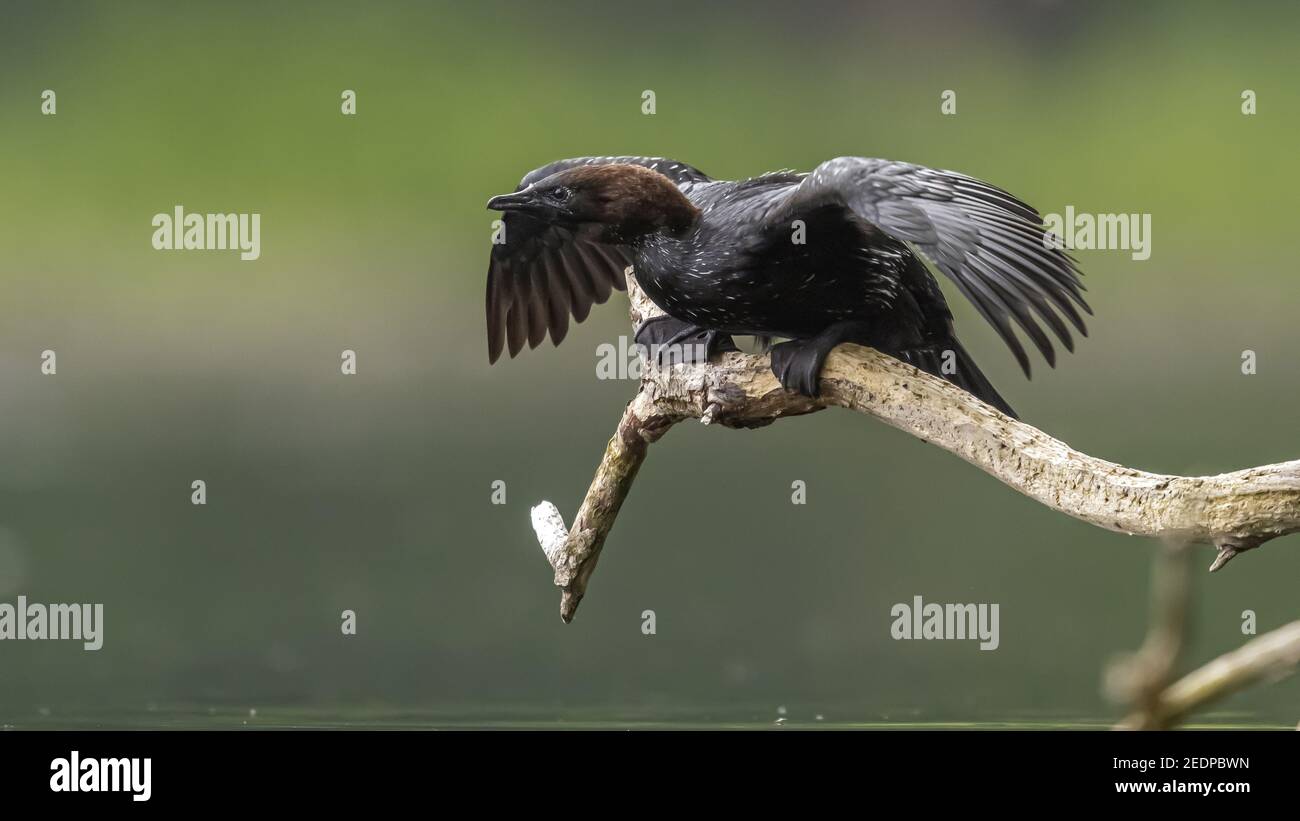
{"points": [[1235, 511]]}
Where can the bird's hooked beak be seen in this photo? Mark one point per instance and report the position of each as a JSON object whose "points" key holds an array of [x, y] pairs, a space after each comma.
{"points": [[520, 201]]}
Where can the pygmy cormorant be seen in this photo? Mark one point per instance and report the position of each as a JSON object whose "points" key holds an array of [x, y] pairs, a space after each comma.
{"points": [[819, 258]]}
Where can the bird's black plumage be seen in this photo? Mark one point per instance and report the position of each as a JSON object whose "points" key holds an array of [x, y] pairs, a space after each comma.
{"points": [[545, 270], [834, 255]]}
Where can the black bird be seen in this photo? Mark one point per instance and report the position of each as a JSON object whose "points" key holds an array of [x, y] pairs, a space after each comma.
{"points": [[723, 258]]}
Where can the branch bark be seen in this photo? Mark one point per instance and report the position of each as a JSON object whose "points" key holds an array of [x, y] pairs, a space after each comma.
{"points": [[1235, 511]]}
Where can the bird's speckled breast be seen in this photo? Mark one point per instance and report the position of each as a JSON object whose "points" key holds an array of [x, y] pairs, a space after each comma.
{"points": [[732, 275]]}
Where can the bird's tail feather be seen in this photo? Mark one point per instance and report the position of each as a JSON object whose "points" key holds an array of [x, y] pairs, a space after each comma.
{"points": [[949, 360]]}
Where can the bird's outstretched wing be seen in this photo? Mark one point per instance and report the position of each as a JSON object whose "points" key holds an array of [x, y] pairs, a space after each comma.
{"points": [[543, 273], [985, 240]]}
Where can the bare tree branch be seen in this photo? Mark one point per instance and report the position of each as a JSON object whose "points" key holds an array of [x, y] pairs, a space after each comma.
{"points": [[1140, 679], [1234, 511], [1273, 655]]}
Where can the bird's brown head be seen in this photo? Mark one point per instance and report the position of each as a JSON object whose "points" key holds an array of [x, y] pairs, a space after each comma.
{"points": [[619, 203]]}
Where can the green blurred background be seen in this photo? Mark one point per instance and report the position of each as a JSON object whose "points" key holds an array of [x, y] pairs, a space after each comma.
{"points": [[372, 492]]}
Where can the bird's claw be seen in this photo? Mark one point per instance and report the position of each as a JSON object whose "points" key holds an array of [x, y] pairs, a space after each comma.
{"points": [[671, 341], [796, 366]]}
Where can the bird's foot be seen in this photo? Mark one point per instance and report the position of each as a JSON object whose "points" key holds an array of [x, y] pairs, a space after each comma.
{"points": [[796, 364], [716, 342], [670, 341]]}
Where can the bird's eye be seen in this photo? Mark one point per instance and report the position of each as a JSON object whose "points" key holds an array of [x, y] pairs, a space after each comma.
{"points": [[559, 194]]}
